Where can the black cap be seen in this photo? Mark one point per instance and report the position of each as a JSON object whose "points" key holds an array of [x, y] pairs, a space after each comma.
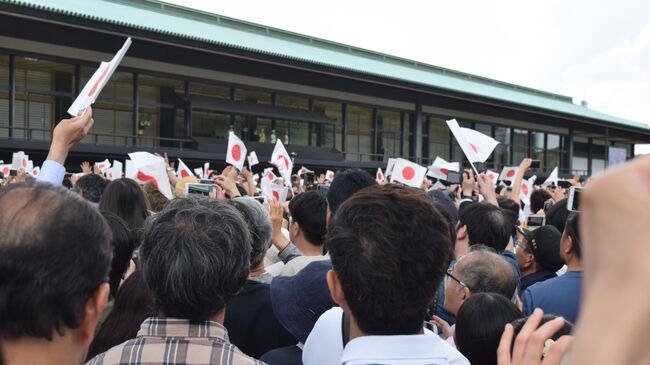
{"points": [[544, 243]]}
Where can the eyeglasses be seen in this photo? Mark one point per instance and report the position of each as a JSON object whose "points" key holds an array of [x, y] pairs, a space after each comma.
{"points": [[449, 274]]}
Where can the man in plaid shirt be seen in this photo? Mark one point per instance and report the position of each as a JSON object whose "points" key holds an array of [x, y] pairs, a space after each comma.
{"points": [[194, 257]]}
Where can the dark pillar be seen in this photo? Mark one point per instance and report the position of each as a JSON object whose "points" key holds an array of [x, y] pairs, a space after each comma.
{"points": [[12, 94], [417, 121]]}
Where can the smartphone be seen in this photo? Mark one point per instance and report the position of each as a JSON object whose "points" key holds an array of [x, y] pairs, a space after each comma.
{"points": [[324, 188], [573, 204], [430, 326], [564, 184], [454, 177], [535, 164], [536, 221], [13, 172], [202, 189], [2, 176], [260, 198], [206, 181]]}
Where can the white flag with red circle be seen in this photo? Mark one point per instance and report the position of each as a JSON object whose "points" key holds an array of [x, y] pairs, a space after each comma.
{"points": [[252, 159], [19, 160], [527, 190], [408, 173], [304, 171], [390, 165], [508, 173], [273, 190], [329, 175], [236, 152], [256, 179], [117, 170], [5, 169], [198, 172], [493, 176], [152, 168], [281, 159], [35, 171], [476, 146], [104, 165], [269, 176], [440, 168], [182, 170], [379, 176], [99, 79], [29, 166]]}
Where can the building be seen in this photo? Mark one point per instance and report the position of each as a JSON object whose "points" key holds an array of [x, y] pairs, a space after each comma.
{"points": [[190, 77]]}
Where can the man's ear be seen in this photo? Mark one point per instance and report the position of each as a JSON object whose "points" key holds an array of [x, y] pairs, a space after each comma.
{"points": [[529, 260], [294, 228], [336, 290], [91, 313], [569, 248], [461, 233]]}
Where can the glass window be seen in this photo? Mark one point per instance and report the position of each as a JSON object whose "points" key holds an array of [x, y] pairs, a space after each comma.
{"points": [[537, 139], [483, 128], [333, 111], [407, 137], [290, 101], [210, 90], [43, 75], [358, 141], [210, 124], [4, 96], [519, 145], [253, 96], [554, 151], [502, 151], [438, 138], [159, 109], [389, 133]]}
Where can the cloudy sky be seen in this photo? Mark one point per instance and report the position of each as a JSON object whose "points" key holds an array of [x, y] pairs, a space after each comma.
{"points": [[592, 50]]}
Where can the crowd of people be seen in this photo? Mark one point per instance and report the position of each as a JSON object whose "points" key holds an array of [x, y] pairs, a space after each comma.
{"points": [[349, 271]]}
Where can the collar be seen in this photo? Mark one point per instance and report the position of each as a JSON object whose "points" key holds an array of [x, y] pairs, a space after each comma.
{"points": [[380, 349], [174, 327]]}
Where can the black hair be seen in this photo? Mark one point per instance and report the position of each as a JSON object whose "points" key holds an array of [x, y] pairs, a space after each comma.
{"points": [[572, 230], [124, 198], [557, 215], [54, 254], [487, 225], [518, 324], [67, 183], [123, 243], [537, 199], [390, 248], [91, 187], [133, 304], [511, 210], [259, 226], [309, 209], [479, 326], [345, 184], [195, 257]]}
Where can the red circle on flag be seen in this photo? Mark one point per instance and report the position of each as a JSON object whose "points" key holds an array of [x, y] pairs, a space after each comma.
{"points": [[473, 147], [236, 152], [184, 173], [510, 173], [34, 172], [5, 170], [24, 163], [524, 189], [408, 172], [490, 176], [444, 171], [269, 176], [276, 195], [286, 161]]}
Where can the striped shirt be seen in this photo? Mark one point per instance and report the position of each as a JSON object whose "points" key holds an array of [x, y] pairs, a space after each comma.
{"points": [[176, 341]]}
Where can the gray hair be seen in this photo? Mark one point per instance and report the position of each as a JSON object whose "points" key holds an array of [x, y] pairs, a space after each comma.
{"points": [[485, 271], [259, 226], [195, 257]]}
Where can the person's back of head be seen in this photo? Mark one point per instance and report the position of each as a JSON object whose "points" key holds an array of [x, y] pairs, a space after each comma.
{"points": [[54, 260], [309, 210], [537, 199], [123, 242], [389, 248], [259, 225], [133, 304], [91, 187], [345, 184], [156, 199], [572, 232], [485, 271], [125, 198], [511, 209], [479, 326], [557, 215], [195, 257], [486, 225]]}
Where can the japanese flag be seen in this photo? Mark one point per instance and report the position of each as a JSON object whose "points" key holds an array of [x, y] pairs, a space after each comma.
{"points": [[275, 191], [252, 159], [389, 166], [29, 166], [492, 176], [116, 170], [206, 170], [130, 171], [183, 170], [152, 168], [236, 152], [329, 175], [5, 169], [408, 173], [509, 173], [104, 165], [269, 176], [198, 172], [304, 171], [551, 179], [281, 159], [440, 168], [379, 176], [35, 171], [526, 190], [476, 146], [19, 161], [256, 179], [94, 86]]}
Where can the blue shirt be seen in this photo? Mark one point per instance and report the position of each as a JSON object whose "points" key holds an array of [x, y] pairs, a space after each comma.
{"points": [[559, 296], [51, 172]]}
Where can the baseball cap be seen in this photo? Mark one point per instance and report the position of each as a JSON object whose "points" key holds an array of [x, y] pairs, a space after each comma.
{"points": [[544, 243]]}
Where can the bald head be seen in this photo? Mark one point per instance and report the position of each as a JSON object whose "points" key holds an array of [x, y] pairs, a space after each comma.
{"points": [[487, 272]]}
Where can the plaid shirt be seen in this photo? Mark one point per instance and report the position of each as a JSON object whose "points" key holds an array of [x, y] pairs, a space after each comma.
{"points": [[176, 341]]}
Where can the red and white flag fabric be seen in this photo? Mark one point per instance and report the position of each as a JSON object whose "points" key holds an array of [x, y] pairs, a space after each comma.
{"points": [[275, 191], [30, 166], [19, 160], [104, 165], [5, 169], [493, 176], [269, 176], [379, 176], [304, 171], [508, 173], [94, 86], [329, 175], [182, 170], [438, 186], [408, 173], [198, 172], [281, 159], [389, 166], [236, 152], [116, 170], [527, 189], [152, 168], [206, 171], [252, 159], [551, 179], [440, 168], [476, 146], [35, 171], [256, 179]]}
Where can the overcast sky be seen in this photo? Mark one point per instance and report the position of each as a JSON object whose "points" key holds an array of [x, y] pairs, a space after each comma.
{"points": [[594, 50]]}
